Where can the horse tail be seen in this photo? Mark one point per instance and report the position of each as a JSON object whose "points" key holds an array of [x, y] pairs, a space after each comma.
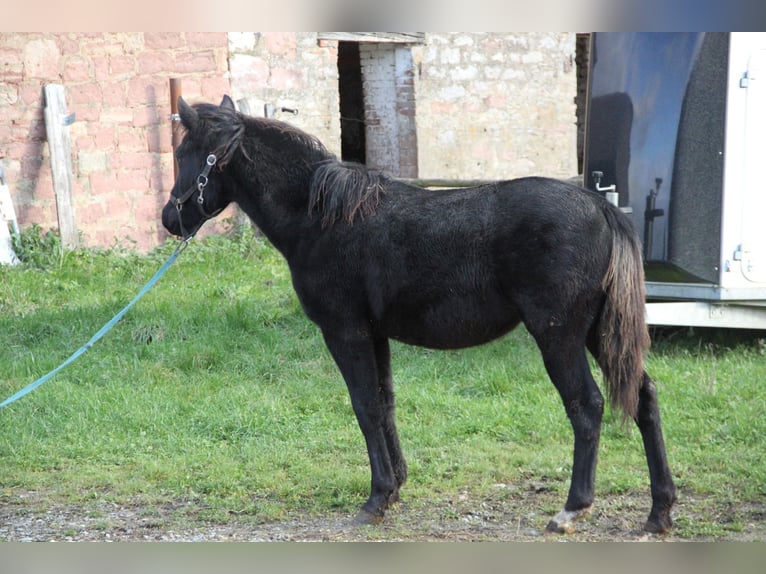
{"points": [[622, 330]]}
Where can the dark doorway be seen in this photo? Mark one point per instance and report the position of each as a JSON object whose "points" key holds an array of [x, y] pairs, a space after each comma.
{"points": [[352, 136]]}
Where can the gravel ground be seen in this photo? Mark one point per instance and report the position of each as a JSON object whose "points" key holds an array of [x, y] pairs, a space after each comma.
{"points": [[510, 514]]}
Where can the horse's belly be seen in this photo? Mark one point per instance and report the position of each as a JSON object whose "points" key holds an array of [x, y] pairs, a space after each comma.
{"points": [[450, 326]]}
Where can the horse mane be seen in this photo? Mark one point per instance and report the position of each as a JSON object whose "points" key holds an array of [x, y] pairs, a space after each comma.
{"points": [[344, 191], [284, 136], [220, 129], [226, 131]]}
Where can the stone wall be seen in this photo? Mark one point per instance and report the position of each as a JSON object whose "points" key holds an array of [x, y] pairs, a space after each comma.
{"points": [[496, 106], [292, 70]]}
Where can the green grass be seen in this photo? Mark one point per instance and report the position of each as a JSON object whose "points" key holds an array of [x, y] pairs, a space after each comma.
{"points": [[216, 389]]}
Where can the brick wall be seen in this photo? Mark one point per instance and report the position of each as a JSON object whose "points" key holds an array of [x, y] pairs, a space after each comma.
{"points": [[117, 87], [494, 106], [463, 105]]}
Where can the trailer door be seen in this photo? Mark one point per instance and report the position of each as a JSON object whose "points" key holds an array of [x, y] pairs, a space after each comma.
{"points": [[754, 232]]}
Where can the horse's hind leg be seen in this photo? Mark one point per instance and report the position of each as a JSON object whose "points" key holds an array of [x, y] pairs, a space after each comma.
{"points": [[648, 421], [662, 486], [567, 365]]}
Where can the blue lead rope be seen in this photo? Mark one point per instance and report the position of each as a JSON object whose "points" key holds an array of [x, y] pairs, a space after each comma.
{"points": [[104, 330]]}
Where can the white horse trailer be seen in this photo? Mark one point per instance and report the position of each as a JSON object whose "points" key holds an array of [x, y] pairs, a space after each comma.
{"points": [[677, 123], [7, 218]]}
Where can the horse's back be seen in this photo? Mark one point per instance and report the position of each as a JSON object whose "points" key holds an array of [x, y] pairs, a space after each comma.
{"points": [[530, 227]]}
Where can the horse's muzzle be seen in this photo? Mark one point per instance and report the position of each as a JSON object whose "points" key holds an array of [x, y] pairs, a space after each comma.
{"points": [[171, 220]]}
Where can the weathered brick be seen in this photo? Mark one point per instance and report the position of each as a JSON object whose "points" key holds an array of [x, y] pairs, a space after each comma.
{"points": [[41, 59], [251, 68], [69, 43], [90, 213], [92, 160], [114, 94], [192, 89], [9, 95], [117, 203], [104, 137], [129, 138], [116, 116], [148, 209], [164, 40], [161, 180], [191, 62], [140, 90], [281, 44], [214, 87], [84, 142], [145, 116], [159, 139], [155, 62], [287, 80], [77, 68], [101, 70], [121, 65], [102, 182], [11, 67], [86, 112], [5, 136], [84, 94], [197, 40], [41, 214], [132, 160], [30, 166]]}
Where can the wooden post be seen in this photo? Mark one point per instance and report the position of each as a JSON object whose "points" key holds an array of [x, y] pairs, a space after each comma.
{"points": [[175, 120], [57, 127]]}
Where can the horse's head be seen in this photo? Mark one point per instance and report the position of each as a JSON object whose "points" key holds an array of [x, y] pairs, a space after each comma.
{"points": [[202, 188]]}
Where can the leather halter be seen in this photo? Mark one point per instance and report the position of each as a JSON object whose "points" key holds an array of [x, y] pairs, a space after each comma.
{"points": [[198, 186]]}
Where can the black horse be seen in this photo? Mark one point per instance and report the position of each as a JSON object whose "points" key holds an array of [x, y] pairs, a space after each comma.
{"points": [[374, 259]]}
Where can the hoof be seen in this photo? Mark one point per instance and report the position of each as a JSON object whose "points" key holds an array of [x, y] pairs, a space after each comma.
{"points": [[661, 526], [378, 509], [366, 517], [659, 521], [563, 522]]}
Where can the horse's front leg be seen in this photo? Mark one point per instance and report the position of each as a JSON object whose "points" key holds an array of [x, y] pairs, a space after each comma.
{"points": [[356, 358], [386, 391]]}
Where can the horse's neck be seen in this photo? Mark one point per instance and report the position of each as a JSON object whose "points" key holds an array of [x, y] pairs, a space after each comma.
{"points": [[280, 212]]}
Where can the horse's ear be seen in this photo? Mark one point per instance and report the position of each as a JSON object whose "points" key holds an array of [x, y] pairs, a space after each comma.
{"points": [[189, 117], [228, 103]]}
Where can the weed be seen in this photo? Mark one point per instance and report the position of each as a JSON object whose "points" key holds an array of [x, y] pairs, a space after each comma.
{"points": [[38, 250]]}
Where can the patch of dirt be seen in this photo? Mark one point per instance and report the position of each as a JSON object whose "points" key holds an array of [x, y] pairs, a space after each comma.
{"points": [[509, 514]]}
